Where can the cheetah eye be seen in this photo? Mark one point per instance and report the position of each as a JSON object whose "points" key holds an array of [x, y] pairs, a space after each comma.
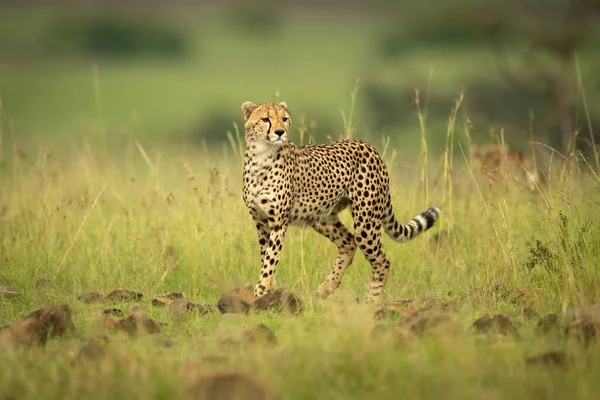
{"points": [[285, 119], [265, 119]]}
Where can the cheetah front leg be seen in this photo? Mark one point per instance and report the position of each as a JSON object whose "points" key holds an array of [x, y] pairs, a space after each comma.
{"points": [[263, 230], [271, 258]]}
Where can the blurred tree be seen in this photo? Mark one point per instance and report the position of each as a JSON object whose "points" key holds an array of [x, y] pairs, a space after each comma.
{"points": [[550, 31]]}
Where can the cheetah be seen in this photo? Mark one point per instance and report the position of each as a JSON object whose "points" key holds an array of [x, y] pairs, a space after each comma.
{"points": [[285, 184]]}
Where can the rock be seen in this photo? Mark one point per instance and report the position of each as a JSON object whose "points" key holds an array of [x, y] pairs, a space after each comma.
{"points": [[590, 312], [6, 291], [137, 308], [137, 324], [549, 323], [529, 313], [38, 326], [259, 334], [228, 386], [420, 324], [245, 293], [121, 295], [115, 312], [161, 301], [179, 308], [233, 304], [104, 324], [557, 358], [584, 330], [90, 351], [397, 333], [91, 297], [411, 307], [499, 323], [279, 300], [172, 295]]}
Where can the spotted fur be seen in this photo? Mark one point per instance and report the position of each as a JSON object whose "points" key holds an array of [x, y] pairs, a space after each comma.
{"points": [[285, 184]]}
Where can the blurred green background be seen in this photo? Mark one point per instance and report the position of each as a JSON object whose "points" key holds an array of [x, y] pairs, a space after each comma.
{"points": [[174, 73]]}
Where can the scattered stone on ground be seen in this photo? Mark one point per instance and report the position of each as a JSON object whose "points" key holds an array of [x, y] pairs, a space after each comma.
{"points": [[172, 295], [160, 301], [245, 293], [137, 308], [179, 308], [279, 300], [6, 291], [91, 297], [104, 323], [591, 312], [90, 351], [499, 323], [228, 386], [137, 324], [529, 313], [411, 307], [397, 333], [233, 304], [38, 326], [120, 295], [259, 334], [115, 312], [584, 330], [549, 323], [556, 358], [420, 324]]}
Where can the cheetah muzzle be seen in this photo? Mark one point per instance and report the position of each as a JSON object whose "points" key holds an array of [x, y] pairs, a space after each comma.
{"points": [[285, 184]]}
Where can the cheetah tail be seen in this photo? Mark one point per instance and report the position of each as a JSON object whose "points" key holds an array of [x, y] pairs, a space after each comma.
{"points": [[414, 227]]}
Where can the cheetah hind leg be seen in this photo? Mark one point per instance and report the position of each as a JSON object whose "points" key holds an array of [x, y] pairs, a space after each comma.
{"points": [[335, 231]]}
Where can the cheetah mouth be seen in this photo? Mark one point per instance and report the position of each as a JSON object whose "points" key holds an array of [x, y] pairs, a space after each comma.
{"points": [[278, 141]]}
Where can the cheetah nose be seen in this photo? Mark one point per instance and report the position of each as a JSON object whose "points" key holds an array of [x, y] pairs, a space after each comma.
{"points": [[279, 132]]}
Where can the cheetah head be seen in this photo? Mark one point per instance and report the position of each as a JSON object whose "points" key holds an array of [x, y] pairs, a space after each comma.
{"points": [[266, 123]]}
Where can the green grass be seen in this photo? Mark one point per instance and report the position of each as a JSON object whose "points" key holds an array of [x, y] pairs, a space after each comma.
{"points": [[97, 222]]}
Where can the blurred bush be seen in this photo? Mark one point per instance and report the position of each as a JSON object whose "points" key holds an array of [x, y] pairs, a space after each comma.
{"points": [[257, 18], [114, 37]]}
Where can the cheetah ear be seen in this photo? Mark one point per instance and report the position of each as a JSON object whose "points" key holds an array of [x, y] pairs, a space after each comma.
{"points": [[247, 109], [283, 104]]}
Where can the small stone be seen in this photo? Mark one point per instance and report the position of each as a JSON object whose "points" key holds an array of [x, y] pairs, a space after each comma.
{"points": [[90, 351], [38, 326], [549, 323], [137, 308], [584, 330], [499, 323], [397, 333], [420, 324], [172, 295], [137, 324], [259, 334], [91, 297], [245, 293], [228, 386], [179, 308], [233, 304], [113, 312], [121, 295], [556, 358], [279, 300], [6, 291], [160, 301]]}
